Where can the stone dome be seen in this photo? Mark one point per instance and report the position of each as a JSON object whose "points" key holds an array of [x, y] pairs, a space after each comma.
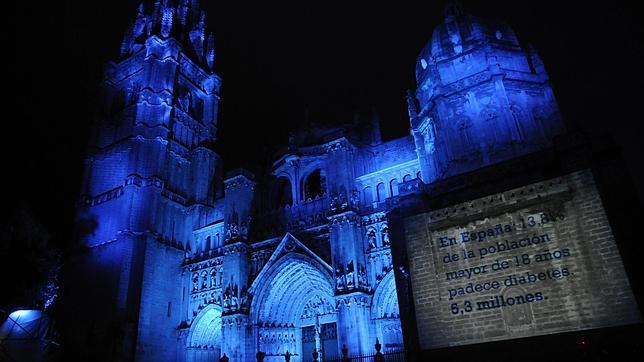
{"points": [[459, 34]]}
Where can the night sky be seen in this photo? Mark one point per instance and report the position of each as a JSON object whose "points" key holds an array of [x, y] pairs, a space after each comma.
{"points": [[279, 62]]}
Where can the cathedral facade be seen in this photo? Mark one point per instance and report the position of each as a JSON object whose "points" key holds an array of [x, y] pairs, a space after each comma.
{"points": [[188, 263]]}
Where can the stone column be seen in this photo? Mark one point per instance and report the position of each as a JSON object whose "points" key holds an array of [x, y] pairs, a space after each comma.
{"points": [[351, 291]]}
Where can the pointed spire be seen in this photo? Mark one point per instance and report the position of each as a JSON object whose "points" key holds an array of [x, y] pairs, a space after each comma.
{"points": [[156, 13], [197, 35], [202, 19], [139, 24], [182, 12], [126, 45], [166, 19], [411, 105], [210, 51], [194, 6], [181, 19], [376, 137]]}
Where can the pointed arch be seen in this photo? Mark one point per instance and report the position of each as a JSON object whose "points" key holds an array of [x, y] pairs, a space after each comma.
{"points": [[282, 292], [381, 193], [393, 187], [385, 313], [314, 184], [205, 335], [385, 299], [367, 195]]}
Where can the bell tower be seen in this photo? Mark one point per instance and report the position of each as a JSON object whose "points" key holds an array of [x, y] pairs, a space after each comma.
{"points": [[151, 178]]}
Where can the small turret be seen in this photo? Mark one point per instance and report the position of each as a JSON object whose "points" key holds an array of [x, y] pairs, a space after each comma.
{"points": [[178, 19], [156, 13], [182, 12], [139, 24], [210, 51], [166, 18], [197, 35], [126, 45]]}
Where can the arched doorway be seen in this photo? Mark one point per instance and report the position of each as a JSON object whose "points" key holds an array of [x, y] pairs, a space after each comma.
{"points": [[294, 310], [385, 313], [204, 338]]}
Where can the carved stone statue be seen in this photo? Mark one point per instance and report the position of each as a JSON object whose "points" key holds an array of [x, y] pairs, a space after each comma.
{"points": [[371, 238], [350, 279], [195, 281], [362, 277], [385, 236], [339, 279]]}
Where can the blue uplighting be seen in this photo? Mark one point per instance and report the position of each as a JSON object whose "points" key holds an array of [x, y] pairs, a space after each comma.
{"points": [[202, 264]]}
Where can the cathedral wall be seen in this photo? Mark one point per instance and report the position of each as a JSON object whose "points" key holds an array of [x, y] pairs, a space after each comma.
{"points": [[531, 102], [178, 175], [104, 220], [108, 171], [162, 295], [391, 154], [464, 66]]}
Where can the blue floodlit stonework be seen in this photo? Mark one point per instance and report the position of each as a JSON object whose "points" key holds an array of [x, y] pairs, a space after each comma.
{"points": [[192, 263]]}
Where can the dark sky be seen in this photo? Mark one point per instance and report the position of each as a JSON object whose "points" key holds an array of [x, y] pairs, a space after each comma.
{"points": [[276, 61]]}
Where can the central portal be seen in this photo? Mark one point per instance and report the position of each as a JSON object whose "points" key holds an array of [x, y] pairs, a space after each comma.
{"points": [[323, 338], [294, 310]]}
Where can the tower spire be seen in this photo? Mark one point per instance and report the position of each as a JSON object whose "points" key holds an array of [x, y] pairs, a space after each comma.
{"points": [[166, 18], [126, 45], [197, 35], [182, 12], [210, 51]]}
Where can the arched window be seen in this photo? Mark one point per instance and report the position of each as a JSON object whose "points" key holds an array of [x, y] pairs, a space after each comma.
{"points": [[282, 194], [367, 195], [208, 244], [393, 187], [381, 193], [315, 185], [407, 178]]}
